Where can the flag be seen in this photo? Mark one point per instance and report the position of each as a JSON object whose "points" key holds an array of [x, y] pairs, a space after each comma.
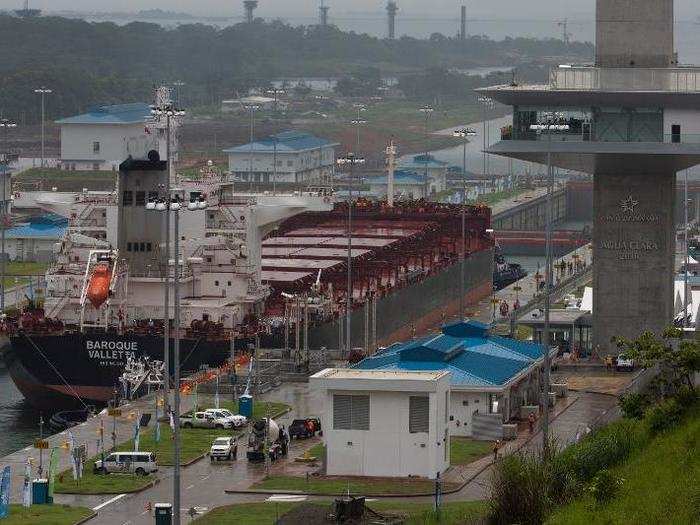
{"points": [[5, 492], [216, 394], [53, 467], [137, 432], [172, 425], [73, 459], [27, 489]]}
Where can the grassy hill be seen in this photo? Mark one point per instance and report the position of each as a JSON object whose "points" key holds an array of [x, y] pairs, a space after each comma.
{"points": [[660, 484]]}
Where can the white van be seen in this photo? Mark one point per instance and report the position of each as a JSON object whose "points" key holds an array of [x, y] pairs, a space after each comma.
{"points": [[140, 463]]}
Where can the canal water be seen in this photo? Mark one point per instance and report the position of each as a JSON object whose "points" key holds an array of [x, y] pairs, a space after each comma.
{"points": [[19, 422]]}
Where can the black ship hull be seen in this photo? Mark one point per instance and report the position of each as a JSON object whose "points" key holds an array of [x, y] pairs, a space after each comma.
{"points": [[72, 369]]}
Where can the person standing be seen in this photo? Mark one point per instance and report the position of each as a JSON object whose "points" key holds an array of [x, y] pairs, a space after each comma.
{"points": [[531, 422]]}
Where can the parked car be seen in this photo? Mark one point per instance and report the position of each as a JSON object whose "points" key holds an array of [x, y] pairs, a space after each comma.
{"points": [[141, 463], [624, 364], [304, 428], [205, 420], [224, 448], [236, 420]]}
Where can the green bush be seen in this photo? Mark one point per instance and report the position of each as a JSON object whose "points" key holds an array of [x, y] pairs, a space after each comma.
{"points": [[633, 405], [686, 397], [663, 416], [602, 449], [605, 486]]}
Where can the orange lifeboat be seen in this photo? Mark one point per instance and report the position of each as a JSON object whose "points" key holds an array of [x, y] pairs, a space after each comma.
{"points": [[98, 288]]}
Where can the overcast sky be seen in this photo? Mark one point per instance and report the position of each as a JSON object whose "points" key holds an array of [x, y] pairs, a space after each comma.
{"points": [[547, 9]]}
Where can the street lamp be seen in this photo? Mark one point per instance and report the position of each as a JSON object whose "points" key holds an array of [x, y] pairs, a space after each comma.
{"points": [[5, 125], [43, 92], [275, 92], [464, 133], [252, 108], [550, 124], [427, 110], [487, 103], [359, 121], [166, 111], [173, 203], [492, 234], [349, 160]]}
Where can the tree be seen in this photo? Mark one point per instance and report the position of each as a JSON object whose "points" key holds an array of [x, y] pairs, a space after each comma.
{"points": [[678, 359]]}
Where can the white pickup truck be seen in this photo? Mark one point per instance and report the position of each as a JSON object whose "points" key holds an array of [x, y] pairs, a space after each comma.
{"points": [[205, 420]]}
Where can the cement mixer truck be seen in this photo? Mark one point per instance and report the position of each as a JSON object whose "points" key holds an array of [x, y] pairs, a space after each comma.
{"points": [[266, 431]]}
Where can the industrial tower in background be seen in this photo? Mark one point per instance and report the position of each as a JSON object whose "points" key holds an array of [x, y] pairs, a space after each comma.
{"points": [[249, 6], [391, 10], [323, 14], [463, 23]]}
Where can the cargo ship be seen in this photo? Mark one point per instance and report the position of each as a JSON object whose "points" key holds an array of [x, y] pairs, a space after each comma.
{"points": [[267, 269]]}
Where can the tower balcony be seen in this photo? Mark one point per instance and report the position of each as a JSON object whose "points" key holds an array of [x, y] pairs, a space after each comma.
{"points": [[590, 78]]}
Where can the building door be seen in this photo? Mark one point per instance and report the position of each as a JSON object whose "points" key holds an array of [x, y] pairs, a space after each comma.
{"points": [[676, 133]]}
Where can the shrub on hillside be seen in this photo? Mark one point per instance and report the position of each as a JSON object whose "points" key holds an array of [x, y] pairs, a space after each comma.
{"points": [[663, 416], [605, 486], [633, 405]]}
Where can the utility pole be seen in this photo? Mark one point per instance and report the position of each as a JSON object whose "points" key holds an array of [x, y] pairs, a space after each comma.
{"points": [[5, 125], [391, 167], [427, 111], [351, 160], [43, 92]]}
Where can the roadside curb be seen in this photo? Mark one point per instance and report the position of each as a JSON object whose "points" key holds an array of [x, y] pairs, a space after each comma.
{"points": [[147, 486], [193, 460], [86, 518]]}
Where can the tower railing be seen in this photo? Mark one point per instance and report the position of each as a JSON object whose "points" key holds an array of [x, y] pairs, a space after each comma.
{"points": [[590, 78]]}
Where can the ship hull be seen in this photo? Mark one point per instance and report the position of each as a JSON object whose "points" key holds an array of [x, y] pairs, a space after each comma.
{"points": [[68, 370]]}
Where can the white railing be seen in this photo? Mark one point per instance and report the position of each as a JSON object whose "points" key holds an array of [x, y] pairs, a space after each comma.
{"points": [[588, 78]]}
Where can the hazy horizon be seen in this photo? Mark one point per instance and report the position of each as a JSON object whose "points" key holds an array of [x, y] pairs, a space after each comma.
{"points": [[505, 9]]}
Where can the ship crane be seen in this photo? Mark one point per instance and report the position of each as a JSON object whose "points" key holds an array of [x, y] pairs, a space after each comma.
{"points": [[103, 289]]}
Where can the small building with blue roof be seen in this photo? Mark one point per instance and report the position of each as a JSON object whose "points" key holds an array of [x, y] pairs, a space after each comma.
{"points": [[427, 165], [34, 240], [104, 136], [491, 376], [407, 184], [295, 157]]}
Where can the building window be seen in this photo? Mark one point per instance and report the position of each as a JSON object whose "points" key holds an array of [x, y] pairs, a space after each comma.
{"points": [[289, 163], [149, 247], [95, 147], [95, 166], [350, 412], [128, 246], [140, 198], [216, 283], [418, 414], [229, 283], [128, 198]]}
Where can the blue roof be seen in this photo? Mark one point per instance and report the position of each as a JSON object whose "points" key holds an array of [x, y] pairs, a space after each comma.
{"points": [[285, 142], [45, 226], [115, 114], [474, 357], [421, 161], [400, 177]]}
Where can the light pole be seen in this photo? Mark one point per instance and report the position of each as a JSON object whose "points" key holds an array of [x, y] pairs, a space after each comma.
{"points": [[252, 108], [173, 203], [464, 134], [427, 111], [5, 125], [359, 121], [548, 126], [43, 92], [487, 103], [167, 111], [685, 276], [349, 160], [275, 92]]}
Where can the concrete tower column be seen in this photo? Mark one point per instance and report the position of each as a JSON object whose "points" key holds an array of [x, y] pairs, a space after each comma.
{"points": [[634, 33], [633, 255]]}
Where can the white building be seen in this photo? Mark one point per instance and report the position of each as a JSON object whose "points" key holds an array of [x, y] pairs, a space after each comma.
{"points": [[34, 241], [407, 185], [384, 423], [288, 157], [105, 136]]}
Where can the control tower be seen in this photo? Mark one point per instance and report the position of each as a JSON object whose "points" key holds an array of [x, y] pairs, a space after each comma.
{"points": [[633, 122]]}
